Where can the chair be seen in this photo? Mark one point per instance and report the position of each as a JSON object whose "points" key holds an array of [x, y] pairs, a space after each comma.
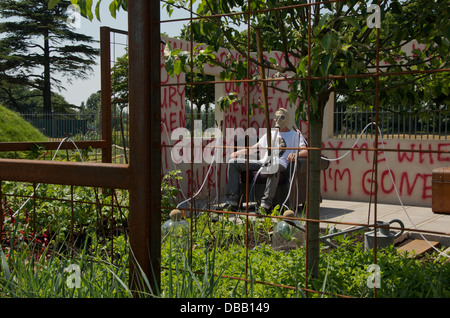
{"points": [[297, 196]]}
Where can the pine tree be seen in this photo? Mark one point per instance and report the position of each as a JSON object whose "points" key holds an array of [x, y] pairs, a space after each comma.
{"points": [[37, 42]]}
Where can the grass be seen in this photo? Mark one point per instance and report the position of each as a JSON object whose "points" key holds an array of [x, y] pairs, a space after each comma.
{"points": [[29, 273], [15, 129]]}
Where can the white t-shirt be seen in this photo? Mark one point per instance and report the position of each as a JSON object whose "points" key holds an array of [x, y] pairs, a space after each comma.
{"points": [[292, 139]]}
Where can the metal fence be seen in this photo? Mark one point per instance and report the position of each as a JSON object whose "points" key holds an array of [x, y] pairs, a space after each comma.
{"points": [[78, 126], [207, 119], [350, 122]]}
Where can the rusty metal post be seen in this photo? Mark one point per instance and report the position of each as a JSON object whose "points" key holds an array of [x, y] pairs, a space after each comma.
{"points": [[1, 210], [104, 175], [145, 141], [106, 118], [263, 88]]}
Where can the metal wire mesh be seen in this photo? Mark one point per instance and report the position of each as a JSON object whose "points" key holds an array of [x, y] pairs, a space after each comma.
{"points": [[189, 16], [243, 223]]}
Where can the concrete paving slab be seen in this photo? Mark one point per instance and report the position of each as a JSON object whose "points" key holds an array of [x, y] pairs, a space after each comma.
{"points": [[411, 217], [437, 224]]}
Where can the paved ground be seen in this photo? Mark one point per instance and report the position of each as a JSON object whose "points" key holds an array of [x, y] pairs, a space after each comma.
{"points": [[420, 218]]}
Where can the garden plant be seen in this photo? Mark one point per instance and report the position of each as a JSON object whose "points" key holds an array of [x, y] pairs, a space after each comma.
{"points": [[222, 257]]}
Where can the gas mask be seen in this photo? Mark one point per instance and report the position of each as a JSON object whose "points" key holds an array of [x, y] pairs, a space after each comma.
{"points": [[281, 118]]}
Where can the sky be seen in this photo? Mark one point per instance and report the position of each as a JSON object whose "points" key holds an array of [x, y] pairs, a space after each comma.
{"points": [[80, 90]]}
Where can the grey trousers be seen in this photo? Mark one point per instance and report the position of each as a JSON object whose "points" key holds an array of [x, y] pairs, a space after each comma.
{"points": [[235, 167]]}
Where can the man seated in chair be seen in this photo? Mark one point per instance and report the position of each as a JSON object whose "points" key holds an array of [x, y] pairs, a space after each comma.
{"points": [[272, 165]]}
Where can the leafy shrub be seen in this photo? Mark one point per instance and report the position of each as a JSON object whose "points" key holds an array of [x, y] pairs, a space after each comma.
{"points": [[91, 210], [169, 192], [344, 271]]}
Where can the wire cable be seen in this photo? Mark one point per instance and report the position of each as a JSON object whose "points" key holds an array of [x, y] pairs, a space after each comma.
{"points": [[53, 159]]}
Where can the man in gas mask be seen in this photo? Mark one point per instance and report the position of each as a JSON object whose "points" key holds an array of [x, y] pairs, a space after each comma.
{"points": [[272, 164]]}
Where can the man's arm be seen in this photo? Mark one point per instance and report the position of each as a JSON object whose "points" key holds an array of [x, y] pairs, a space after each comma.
{"points": [[243, 152], [301, 154]]}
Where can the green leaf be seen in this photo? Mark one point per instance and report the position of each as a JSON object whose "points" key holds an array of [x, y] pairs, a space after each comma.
{"points": [[89, 14], [52, 3], [396, 8], [242, 69], [326, 63], [351, 81], [97, 9], [302, 66], [113, 8], [326, 41], [4, 263], [177, 67], [169, 67], [352, 22], [323, 21]]}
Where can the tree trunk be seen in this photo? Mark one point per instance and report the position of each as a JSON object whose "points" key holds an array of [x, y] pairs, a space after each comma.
{"points": [[314, 192], [206, 116], [47, 91], [315, 140]]}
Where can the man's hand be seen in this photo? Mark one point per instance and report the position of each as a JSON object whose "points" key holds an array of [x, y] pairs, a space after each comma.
{"points": [[302, 153], [235, 154], [291, 156]]}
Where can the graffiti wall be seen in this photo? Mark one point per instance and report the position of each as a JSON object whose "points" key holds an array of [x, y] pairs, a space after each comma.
{"points": [[198, 174], [176, 153], [403, 172], [405, 175]]}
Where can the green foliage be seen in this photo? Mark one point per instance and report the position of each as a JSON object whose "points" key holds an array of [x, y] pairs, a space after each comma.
{"points": [[35, 264], [23, 100], [119, 74], [88, 10], [91, 213], [37, 43], [328, 47], [342, 45], [22, 275], [218, 254], [169, 191], [219, 249]]}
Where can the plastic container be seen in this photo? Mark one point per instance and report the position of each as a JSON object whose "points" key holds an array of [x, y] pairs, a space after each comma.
{"points": [[288, 234], [175, 230]]}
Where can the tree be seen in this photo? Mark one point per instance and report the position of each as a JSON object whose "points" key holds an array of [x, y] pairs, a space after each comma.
{"points": [[37, 42], [93, 103], [119, 77], [202, 95], [92, 107], [24, 100]]}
